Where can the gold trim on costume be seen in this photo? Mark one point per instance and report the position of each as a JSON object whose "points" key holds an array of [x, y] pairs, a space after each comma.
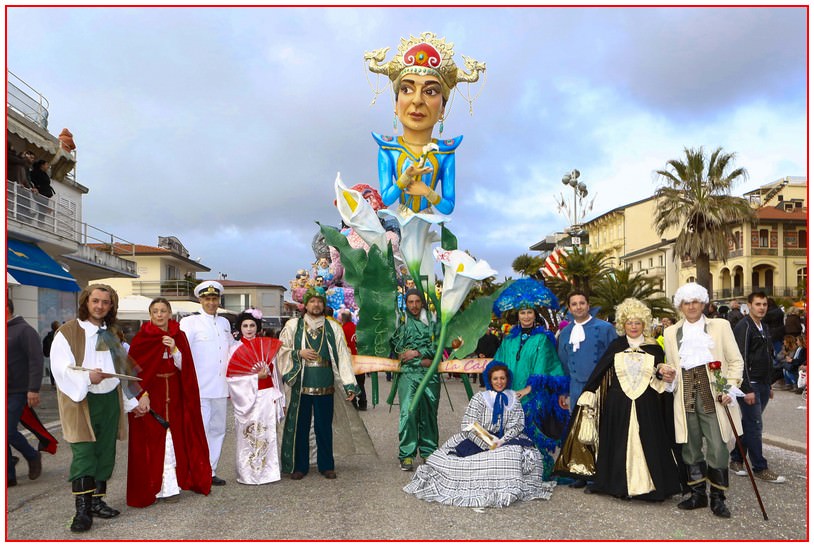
{"points": [[319, 363], [317, 390], [634, 370], [639, 480]]}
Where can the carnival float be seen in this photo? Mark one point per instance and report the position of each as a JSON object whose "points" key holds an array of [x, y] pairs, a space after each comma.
{"points": [[394, 237]]}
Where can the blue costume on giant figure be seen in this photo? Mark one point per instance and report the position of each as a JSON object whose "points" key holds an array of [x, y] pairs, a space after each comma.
{"points": [[395, 158], [416, 169], [580, 363]]}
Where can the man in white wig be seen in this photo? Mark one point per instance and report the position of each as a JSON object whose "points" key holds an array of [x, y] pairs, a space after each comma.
{"points": [[699, 347]]}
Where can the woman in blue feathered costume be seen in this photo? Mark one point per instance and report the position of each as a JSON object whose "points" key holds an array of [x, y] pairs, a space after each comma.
{"points": [[538, 378]]}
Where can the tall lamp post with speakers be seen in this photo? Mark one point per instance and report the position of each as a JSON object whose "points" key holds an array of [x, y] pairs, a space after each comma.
{"points": [[575, 213]]}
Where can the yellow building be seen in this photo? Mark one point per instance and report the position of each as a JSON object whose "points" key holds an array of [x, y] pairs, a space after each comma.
{"points": [[163, 270], [768, 255], [627, 235]]}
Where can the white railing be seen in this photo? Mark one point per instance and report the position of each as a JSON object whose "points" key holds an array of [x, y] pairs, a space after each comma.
{"points": [[37, 211], [26, 100], [48, 215]]}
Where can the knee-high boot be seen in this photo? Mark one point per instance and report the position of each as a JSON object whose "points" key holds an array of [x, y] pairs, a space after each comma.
{"points": [[83, 488], [99, 508], [697, 481], [718, 483]]}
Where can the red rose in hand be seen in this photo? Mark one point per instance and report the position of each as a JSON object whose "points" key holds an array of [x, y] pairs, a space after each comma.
{"points": [[714, 365]]}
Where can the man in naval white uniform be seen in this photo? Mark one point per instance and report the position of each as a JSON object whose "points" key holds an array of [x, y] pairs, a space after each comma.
{"points": [[210, 337]]}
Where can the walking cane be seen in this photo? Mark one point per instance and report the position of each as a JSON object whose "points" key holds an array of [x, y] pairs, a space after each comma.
{"points": [[745, 461]]}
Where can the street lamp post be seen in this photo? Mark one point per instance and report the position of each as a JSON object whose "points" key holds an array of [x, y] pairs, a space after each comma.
{"points": [[580, 192]]}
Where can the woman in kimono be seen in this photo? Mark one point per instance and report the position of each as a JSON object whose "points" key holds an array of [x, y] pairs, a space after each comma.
{"points": [[167, 451], [490, 462], [633, 457], [259, 404]]}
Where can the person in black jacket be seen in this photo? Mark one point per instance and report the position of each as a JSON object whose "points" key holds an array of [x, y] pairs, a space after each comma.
{"points": [[25, 366], [774, 319], [43, 192], [46, 349], [753, 337]]}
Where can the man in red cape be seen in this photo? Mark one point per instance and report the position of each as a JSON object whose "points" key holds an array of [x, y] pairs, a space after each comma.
{"points": [[164, 382]]}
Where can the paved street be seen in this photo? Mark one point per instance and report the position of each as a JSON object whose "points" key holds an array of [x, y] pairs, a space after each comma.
{"points": [[366, 501]]}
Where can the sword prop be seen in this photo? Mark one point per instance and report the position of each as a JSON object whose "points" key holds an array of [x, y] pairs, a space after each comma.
{"points": [[164, 423]]}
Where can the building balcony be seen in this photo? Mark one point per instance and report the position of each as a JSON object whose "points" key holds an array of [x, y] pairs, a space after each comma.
{"points": [[174, 288], [739, 292], [763, 251], [795, 252], [735, 253], [26, 100], [35, 217], [51, 225]]}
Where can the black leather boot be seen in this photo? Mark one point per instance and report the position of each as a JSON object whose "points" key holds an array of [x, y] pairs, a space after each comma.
{"points": [[718, 483], [697, 481], [83, 489], [99, 508]]}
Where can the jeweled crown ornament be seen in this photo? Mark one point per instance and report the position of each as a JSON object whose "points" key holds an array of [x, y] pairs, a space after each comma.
{"points": [[425, 55]]}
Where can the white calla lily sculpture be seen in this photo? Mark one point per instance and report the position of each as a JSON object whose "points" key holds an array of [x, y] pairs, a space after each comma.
{"points": [[416, 242], [357, 213], [460, 273]]}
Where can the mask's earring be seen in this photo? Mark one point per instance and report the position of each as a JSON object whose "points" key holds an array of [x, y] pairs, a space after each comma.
{"points": [[395, 122]]}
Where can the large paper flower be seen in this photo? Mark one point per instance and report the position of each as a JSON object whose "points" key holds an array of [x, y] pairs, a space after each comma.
{"points": [[460, 274], [357, 213], [416, 241]]}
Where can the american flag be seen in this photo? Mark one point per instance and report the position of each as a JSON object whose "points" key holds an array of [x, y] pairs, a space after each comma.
{"points": [[551, 267]]}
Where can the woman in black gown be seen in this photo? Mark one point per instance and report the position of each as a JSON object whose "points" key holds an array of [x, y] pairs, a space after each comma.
{"points": [[633, 456]]}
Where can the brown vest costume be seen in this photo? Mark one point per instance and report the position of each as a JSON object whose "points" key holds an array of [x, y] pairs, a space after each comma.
{"points": [[75, 417]]}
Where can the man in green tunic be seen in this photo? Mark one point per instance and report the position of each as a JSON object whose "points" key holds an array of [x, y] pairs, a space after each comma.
{"points": [[413, 344], [314, 350]]}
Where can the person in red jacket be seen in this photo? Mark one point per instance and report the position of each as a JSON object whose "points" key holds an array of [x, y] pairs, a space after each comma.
{"points": [[360, 403]]}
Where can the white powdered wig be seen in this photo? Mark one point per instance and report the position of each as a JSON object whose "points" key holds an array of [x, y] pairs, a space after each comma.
{"points": [[689, 293]]}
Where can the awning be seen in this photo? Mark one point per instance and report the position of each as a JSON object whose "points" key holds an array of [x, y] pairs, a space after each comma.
{"points": [[134, 308], [26, 133], [31, 266]]}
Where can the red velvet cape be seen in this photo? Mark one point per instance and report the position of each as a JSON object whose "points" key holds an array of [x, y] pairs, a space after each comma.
{"points": [[145, 461]]}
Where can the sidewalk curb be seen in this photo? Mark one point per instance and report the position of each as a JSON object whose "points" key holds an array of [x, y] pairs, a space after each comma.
{"points": [[786, 444]]}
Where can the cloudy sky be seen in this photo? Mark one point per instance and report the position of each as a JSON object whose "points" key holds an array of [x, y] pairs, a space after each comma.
{"points": [[226, 127]]}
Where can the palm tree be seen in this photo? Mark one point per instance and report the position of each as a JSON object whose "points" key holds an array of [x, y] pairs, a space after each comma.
{"points": [[527, 265], [697, 201], [619, 283]]}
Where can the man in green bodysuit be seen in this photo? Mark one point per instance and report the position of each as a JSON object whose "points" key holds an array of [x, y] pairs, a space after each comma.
{"points": [[413, 344]]}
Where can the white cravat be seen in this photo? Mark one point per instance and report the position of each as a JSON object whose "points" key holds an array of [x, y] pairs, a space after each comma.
{"points": [[577, 334], [696, 345]]}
